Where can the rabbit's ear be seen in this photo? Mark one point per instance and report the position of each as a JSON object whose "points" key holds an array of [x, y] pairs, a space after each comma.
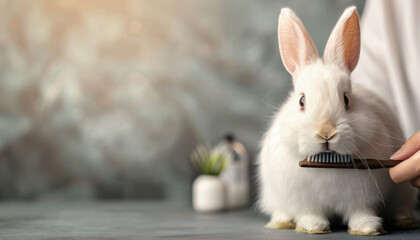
{"points": [[296, 46], [343, 46]]}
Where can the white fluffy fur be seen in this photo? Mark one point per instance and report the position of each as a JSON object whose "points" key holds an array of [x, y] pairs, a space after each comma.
{"points": [[368, 129]]}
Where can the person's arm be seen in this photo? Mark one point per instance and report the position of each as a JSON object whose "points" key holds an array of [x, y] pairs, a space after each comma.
{"points": [[390, 58], [408, 170]]}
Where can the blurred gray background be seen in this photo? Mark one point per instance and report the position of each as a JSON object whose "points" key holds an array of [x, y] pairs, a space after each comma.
{"points": [[106, 99]]}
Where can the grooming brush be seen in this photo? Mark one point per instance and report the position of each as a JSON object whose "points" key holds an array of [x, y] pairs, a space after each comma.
{"points": [[336, 160]]}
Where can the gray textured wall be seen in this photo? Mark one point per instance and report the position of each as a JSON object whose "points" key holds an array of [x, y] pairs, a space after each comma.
{"points": [[106, 99]]}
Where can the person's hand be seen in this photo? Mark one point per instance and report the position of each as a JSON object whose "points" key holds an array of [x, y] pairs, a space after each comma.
{"points": [[408, 170]]}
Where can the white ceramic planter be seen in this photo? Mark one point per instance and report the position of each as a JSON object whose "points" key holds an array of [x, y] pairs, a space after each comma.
{"points": [[208, 194]]}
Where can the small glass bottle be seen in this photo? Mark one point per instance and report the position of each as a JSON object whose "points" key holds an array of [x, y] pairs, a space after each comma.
{"points": [[235, 174]]}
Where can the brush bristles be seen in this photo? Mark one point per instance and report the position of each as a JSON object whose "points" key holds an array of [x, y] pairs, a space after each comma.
{"points": [[330, 157]]}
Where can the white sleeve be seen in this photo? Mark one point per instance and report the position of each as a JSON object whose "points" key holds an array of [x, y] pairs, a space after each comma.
{"points": [[390, 57]]}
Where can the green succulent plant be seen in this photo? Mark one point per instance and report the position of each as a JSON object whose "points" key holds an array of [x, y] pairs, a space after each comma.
{"points": [[208, 161]]}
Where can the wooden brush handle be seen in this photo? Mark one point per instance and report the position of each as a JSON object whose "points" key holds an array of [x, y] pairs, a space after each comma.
{"points": [[357, 163]]}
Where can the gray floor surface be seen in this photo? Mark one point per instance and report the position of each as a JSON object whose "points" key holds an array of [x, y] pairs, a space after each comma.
{"points": [[146, 220]]}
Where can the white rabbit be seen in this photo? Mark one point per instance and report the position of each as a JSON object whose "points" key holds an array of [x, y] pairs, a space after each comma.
{"points": [[325, 111]]}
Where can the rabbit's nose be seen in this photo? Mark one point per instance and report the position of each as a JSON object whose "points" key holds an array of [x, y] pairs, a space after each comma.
{"points": [[326, 130]]}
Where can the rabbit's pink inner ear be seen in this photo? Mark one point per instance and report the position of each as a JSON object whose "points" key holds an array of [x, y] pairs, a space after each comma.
{"points": [[351, 41], [296, 46], [343, 46]]}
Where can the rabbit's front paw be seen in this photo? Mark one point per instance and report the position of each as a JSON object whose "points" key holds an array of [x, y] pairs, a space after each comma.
{"points": [[280, 220], [366, 225], [312, 224], [280, 225]]}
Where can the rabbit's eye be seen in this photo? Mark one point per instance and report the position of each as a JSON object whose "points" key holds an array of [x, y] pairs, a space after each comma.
{"points": [[302, 102], [346, 101]]}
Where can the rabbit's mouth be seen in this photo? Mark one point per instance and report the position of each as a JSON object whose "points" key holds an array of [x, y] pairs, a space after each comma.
{"points": [[327, 146]]}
